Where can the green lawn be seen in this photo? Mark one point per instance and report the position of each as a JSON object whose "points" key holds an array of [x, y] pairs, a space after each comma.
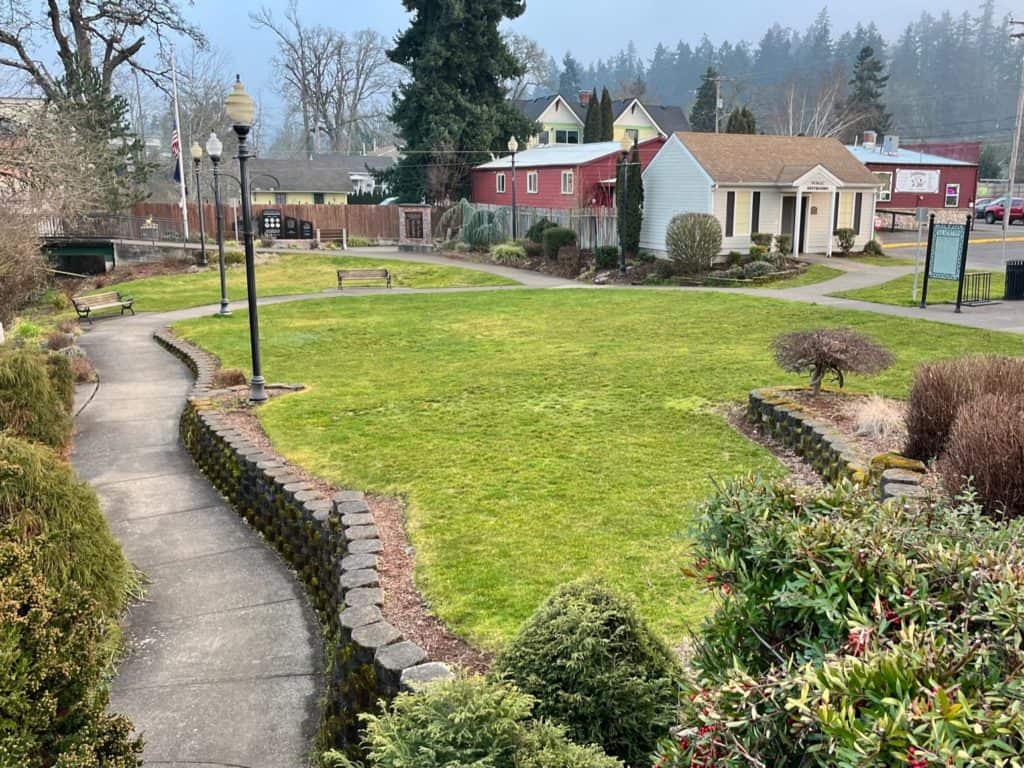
{"points": [[816, 273], [291, 274], [900, 290], [541, 435]]}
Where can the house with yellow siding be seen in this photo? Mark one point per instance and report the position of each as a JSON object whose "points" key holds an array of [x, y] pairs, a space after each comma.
{"points": [[560, 120], [319, 181]]}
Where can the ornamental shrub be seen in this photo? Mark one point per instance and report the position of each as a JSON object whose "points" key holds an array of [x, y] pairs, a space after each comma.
{"points": [[693, 240], [30, 404], [594, 666], [758, 269], [758, 253], [831, 352], [556, 238], [873, 248], [784, 243], [606, 257], [985, 451], [62, 379], [941, 388], [847, 627], [763, 239], [470, 721], [845, 238], [234, 257], [508, 253], [536, 232]]}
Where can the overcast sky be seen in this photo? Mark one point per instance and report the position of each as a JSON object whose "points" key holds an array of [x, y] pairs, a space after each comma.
{"points": [[589, 28]]}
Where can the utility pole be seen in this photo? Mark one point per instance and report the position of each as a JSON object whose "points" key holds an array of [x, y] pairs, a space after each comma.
{"points": [[718, 99], [1015, 149]]}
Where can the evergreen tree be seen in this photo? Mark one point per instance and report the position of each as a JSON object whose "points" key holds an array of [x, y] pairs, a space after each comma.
{"points": [[592, 123], [702, 116], [741, 120], [607, 117], [866, 90], [630, 201], [991, 162], [452, 110], [569, 82]]}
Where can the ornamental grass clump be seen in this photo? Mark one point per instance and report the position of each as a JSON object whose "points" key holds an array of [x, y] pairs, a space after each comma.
{"points": [[851, 632], [830, 353], [595, 667], [35, 397]]}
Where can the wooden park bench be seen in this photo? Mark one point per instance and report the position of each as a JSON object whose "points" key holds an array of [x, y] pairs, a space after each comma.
{"points": [[363, 275], [86, 305]]}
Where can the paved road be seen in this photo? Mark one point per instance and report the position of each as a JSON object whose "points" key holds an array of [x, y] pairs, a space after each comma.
{"points": [[225, 653]]}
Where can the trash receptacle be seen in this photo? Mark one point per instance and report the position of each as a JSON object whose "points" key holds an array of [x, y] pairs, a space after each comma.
{"points": [[1014, 281]]}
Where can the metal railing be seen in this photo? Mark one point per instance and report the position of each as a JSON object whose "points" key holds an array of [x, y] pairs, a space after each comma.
{"points": [[977, 288], [110, 227]]}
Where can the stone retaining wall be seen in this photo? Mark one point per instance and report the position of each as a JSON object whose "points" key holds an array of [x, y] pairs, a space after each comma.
{"points": [[825, 448], [333, 545]]}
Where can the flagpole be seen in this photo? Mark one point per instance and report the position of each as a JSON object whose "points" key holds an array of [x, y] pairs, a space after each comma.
{"points": [[182, 201]]}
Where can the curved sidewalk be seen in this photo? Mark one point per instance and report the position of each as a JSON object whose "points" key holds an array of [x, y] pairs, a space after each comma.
{"points": [[224, 661]]}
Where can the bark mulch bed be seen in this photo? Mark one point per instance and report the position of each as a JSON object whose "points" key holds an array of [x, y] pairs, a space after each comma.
{"points": [[404, 606]]}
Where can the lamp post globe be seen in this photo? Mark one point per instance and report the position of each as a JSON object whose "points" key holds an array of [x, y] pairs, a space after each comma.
{"points": [[513, 147], [215, 148], [197, 160], [241, 109]]}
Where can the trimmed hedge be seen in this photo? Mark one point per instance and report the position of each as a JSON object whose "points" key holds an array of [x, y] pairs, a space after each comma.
{"points": [[536, 232], [35, 397], [557, 238], [606, 257]]}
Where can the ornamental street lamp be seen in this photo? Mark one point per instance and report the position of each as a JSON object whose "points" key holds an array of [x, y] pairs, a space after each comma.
{"points": [[241, 109], [622, 198], [214, 148], [513, 147], [197, 158]]}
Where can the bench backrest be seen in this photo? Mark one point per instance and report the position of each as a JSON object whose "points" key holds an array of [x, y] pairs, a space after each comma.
{"points": [[362, 274], [97, 299]]}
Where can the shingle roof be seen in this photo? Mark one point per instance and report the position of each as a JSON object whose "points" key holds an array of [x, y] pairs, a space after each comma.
{"points": [[669, 119], [902, 157], [317, 175], [556, 155], [532, 109], [736, 158]]}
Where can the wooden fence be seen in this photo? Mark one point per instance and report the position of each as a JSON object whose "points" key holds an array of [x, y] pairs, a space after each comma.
{"points": [[594, 227], [372, 221]]}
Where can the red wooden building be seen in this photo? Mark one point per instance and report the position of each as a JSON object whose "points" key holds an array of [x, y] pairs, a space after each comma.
{"points": [[569, 176]]}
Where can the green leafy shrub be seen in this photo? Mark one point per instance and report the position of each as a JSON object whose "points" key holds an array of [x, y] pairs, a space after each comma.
{"points": [[873, 248], [53, 642], [646, 257], [234, 257], [735, 258], [784, 243], [595, 667], [732, 273], [941, 388], [758, 269], [536, 232], [606, 257], [556, 238], [830, 352], [26, 331], [693, 240], [758, 252], [985, 451], [763, 240], [30, 404], [508, 253], [847, 627], [62, 379], [469, 721], [356, 241], [41, 498], [845, 237]]}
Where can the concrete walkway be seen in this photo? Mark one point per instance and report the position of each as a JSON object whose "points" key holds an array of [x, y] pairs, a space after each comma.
{"points": [[224, 664]]}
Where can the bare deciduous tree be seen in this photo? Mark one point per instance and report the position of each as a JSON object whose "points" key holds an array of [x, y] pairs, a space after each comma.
{"points": [[819, 109], [534, 63]]}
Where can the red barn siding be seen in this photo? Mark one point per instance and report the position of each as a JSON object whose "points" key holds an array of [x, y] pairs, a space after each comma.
{"points": [[588, 190], [965, 151], [965, 176]]}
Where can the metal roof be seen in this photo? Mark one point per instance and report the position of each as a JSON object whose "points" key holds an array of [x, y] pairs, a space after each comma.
{"points": [[877, 156], [556, 155]]}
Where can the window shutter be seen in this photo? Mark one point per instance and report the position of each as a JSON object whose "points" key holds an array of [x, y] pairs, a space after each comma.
{"points": [[857, 205], [755, 216], [835, 214], [730, 212]]}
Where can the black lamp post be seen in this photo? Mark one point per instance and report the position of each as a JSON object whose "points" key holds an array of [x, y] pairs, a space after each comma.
{"points": [[214, 148], [513, 147], [241, 109], [197, 159], [622, 198]]}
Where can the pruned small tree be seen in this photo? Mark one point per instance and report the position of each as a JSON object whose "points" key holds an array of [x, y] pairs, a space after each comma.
{"points": [[831, 353], [693, 240]]}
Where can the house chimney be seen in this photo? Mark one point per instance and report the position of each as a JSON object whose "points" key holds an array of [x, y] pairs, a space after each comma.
{"points": [[585, 98], [870, 139], [891, 145]]}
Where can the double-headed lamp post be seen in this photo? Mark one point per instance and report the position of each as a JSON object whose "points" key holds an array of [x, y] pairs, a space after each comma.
{"points": [[241, 109], [197, 159], [215, 148], [513, 147]]}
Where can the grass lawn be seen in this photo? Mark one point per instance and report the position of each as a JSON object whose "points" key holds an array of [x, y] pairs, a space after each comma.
{"points": [[541, 435], [899, 291], [816, 273], [291, 274]]}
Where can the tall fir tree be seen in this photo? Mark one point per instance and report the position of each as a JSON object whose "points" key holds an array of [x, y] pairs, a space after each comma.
{"points": [[607, 116], [569, 81], [592, 123], [630, 201], [702, 116], [741, 120], [867, 87], [452, 111]]}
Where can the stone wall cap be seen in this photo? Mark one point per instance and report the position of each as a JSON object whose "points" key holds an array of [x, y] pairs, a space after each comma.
{"points": [[361, 532], [360, 616], [365, 577], [399, 656], [365, 546], [414, 678], [343, 496], [364, 596], [360, 518], [358, 562], [375, 635]]}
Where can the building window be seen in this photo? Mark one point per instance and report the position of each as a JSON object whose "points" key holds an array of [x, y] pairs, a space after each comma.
{"points": [[567, 137], [741, 218], [885, 179], [755, 213], [568, 182], [532, 183], [281, 198], [633, 134], [844, 211], [952, 195], [500, 183], [318, 198]]}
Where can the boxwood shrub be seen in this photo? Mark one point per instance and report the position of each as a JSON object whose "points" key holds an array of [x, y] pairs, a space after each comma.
{"points": [[536, 232], [557, 238], [596, 668], [606, 257]]}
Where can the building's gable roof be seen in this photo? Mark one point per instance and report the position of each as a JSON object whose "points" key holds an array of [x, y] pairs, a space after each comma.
{"points": [[317, 175], [877, 155], [737, 158], [668, 120], [553, 155], [534, 109]]}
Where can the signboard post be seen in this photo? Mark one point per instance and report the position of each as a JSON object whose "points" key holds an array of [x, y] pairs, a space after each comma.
{"points": [[922, 219], [946, 257]]}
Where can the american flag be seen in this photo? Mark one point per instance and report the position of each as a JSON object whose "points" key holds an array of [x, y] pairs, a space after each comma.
{"points": [[176, 154]]}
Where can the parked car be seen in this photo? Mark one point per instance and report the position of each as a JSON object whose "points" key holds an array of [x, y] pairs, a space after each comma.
{"points": [[981, 204], [996, 211]]}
